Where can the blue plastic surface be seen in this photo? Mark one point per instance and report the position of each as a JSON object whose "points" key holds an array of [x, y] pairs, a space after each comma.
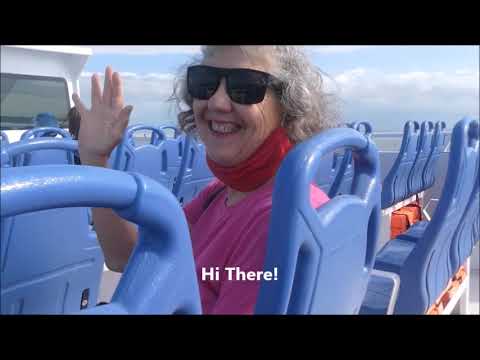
{"points": [[45, 156], [438, 145], [38, 151], [466, 235], [50, 260], [45, 119], [323, 256], [175, 148], [395, 184], [3, 139], [149, 159], [426, 269], [378, 295], [424, 147], [160, 276], [194, 173], [344, 176]]}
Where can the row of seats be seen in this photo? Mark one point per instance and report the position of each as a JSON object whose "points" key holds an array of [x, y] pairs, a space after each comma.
{"points": [[179, 163], [73, 273], [414, 168], [336, 169], [316, 271], [428, 255]]}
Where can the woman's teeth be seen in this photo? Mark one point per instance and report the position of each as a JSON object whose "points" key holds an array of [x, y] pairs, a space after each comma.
{"points": [[223, 128]]}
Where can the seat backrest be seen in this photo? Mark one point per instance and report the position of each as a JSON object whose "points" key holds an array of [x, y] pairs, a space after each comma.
{"points": [[343, 179], [148, 159], [37, 151], [438, 145], [395, 184], [160, 275], [175, 147], [327, 171], [466, 235], [194, 173], [44, 156], [427, 270], [3, 138], [424, 147], [51, 263], [323, 256]]}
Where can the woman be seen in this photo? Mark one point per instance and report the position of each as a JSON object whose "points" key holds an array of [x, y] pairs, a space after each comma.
{"points": [[249, 105]]}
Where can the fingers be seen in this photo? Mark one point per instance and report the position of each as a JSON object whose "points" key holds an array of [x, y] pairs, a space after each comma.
{"points": [[123, 118], [79, 105], [96, 90], [117, 92], [107, 87]]}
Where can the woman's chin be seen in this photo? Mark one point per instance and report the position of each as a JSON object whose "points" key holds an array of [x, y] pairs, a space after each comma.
{"points": [[223, 161]]}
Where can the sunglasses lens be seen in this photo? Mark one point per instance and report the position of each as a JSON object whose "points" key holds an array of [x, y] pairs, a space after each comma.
{"points": [[246, 87], [202, 82]]}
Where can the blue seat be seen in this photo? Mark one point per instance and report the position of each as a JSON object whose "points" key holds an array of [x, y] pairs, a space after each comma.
{"points": [[344, 177], [51, 262], [160, 275], [327, 171], [3, 139], [378, 296], [45, 156], [45, 119], [323, 256], [466, 236], [395, 184], [194, 172], [438, 145], [424, 147], [175, 147], [425, 266], [414, 232], [148, 159]]}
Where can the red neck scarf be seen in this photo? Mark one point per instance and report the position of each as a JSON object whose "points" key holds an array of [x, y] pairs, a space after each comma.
{"points": [[260, 167]]}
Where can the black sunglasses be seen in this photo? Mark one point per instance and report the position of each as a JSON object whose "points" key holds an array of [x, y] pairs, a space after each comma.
{"points": [[244, 86]]}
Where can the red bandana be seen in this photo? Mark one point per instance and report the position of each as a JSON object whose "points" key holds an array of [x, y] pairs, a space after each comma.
{"points": [[260, 167]]}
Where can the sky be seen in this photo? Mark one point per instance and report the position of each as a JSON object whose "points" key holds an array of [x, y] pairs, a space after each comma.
{"points": [[386, 85]]}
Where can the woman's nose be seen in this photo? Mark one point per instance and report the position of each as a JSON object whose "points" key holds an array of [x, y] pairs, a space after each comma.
{"points": [[220, 101]]}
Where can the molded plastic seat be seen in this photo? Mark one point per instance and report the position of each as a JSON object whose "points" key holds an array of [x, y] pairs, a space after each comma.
{"points": [[51, 263], [438, 145], [344, 177], [45, 156], [424, 147], [378, 295], [160, 275], [175, 147], [425, 266], [323, 256], [150, 159], [466, 236], [3, 139], [194, 172], [395, 184]]}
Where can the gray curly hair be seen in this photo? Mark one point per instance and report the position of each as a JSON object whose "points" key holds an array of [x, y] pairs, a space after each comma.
{"points": [[308, 108]]}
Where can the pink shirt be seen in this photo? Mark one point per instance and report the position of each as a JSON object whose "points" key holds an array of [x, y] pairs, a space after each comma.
{"points": [[234, 236]]}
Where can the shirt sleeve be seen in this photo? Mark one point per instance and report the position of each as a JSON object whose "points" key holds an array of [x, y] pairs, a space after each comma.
{"points": [[240, 296]]}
